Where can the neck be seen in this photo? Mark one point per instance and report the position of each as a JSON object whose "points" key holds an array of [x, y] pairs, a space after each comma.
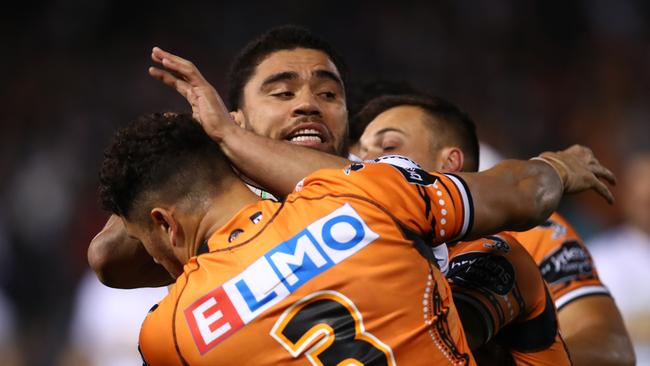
{"points": [[219, 210]]}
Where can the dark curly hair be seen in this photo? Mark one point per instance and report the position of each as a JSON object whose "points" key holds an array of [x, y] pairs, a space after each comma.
{"points": [[286, 37], [458, 127], [158, 157]]}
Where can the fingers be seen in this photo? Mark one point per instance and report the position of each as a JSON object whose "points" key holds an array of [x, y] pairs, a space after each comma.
{"points": [[184, 68], [594, 165], [603, 190], [584, 171], [171, 80], [603, 173], [156, 56]]}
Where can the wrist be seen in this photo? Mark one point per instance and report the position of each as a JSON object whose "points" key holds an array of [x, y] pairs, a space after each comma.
{"points": [[560, 168], [230, 135]]}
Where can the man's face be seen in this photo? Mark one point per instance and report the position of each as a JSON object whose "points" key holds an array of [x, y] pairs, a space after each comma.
{"points": [[156, 243], [403, 131], [297, 96]]}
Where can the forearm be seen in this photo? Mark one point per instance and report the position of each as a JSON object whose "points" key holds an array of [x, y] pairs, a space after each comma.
{"points": [[597, 347], [514, 195], [276, 165], [121, 262], [594, 333]]}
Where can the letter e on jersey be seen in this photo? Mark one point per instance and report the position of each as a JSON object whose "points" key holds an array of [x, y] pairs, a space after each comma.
{"points": [[212, 319], [276, 274]]}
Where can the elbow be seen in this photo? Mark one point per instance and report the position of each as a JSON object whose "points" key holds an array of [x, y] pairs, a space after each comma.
{"points": [[623, 353], [601, 347], [98, 260], [628, 359]]}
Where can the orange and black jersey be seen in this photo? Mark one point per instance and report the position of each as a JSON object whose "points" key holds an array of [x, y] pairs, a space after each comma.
{"points": [[498, 279], [332, 274], [563, 259]]}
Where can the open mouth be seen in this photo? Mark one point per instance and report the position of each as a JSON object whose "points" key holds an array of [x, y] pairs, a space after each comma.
{"points": [[306, 135], [310, 133]]}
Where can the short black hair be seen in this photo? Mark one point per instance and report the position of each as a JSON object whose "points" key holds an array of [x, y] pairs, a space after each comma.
{"points": [[360, 93], [457, 124], [161, 156], [286, 37]]}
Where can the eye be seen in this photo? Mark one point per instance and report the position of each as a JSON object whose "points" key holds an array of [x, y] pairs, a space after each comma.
{"points": [[391, 142], [328, 95], [283, 94]]}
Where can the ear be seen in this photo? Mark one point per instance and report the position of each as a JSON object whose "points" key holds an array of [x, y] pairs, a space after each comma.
{"points": [[164, 220], [239, 118], [453, 159]]}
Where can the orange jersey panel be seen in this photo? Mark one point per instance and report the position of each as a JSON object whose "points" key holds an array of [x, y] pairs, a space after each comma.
{"points": [[330, 275], [497, 276], [563, 259]]}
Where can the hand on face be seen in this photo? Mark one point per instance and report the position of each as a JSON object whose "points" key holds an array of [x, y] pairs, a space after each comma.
{"points": [[183, 76]]}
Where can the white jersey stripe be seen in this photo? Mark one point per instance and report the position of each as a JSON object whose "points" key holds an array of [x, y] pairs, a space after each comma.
{"points": [[580, 292], [467, 206]]}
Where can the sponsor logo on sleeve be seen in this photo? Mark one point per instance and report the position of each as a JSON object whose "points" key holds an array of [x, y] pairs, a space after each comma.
{"points": [[354, 167], [411, 171], [496, 243], [397, 160], [417, 176], [275, 275], [481, 270], [299, 186], [568, 262]]}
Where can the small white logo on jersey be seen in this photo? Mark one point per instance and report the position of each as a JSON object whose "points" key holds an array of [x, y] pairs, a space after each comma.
{"points": [[256, 217], [299, 185], [398, 160]]}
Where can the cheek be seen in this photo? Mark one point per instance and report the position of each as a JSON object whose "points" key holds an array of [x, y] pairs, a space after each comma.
{"points": [[265, 120], [338, 120]]}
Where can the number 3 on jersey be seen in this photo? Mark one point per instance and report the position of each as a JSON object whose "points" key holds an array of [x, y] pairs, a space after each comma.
{"points": [[328, 329]]}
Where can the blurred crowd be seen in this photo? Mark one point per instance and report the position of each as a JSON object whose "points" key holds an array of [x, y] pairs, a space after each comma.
{"points": [[535, 75]]}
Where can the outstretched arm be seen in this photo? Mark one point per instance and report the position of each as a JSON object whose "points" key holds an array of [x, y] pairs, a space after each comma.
{"points": [[527, 191], [517, 194], [513, 195]]}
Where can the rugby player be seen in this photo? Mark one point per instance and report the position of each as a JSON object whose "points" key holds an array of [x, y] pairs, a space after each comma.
{"points": [[263, 282], [313, 136], [287, 85], [440, 137], [189, 75], [182, 75]]}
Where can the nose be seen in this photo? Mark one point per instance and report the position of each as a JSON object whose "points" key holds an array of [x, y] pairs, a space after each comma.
{"points": [[307, 105]]}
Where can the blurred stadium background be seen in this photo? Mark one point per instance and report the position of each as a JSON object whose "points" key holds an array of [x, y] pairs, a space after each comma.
{"points": [[535, 75]]}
